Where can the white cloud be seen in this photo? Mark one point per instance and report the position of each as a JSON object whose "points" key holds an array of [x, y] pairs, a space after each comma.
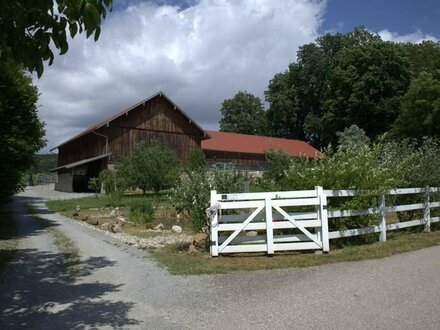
{"points": [[198, 56], [415, 37]]}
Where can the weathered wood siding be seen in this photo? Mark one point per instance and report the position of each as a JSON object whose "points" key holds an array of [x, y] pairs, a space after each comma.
{"points": [[156, 119], [84, 147], [245, 160]]}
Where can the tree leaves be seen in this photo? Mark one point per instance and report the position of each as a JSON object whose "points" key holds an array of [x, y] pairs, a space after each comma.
{"points": [[28, 27], [244, 113]]}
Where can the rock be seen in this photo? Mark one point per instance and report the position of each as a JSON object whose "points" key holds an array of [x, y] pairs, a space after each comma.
{"points": [[117, 228], [78, 208], [85, 218], [200, 241], [106, 226], [159, 227], [318, 252], [112, 213], [75, 214], [93, 222], [192, 249], [63, 209], [121, 221], [176, 229], [251, 233]]}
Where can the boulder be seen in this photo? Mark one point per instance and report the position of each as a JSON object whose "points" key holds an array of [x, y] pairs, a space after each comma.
{"points": [[159, 227], [121, 221], [106, 226], [112, 213], [85, 218], [93, 222], [176, 229], [200, 241], [251, 233], [117, 228], [192, 249]]}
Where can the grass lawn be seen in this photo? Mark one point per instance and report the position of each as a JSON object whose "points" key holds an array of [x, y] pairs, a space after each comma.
{"points": [[103, 201], [8, 236], [177, 261]]}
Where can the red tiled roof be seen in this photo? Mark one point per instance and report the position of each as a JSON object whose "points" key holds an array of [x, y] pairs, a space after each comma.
{"points": [[234, 142]]}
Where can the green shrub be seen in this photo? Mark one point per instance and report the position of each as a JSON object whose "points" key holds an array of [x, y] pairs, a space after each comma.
{"points": [[141, 210], [192, 193], [150, 166]]}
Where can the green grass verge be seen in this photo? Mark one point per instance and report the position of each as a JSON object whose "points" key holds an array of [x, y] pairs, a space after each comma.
{"points": [[104, 201], [178, 261], [8, 236]]}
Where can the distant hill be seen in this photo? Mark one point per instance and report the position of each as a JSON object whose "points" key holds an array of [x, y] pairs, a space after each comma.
{"points": [[44, 163]]}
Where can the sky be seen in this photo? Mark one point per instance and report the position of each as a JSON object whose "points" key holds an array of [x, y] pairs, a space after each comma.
{"points": [[201, 52]]}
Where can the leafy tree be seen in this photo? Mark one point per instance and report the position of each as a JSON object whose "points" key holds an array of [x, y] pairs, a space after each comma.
{"points": [[424, 58], [150, 166], [420, 115], [338, 81], [197, 160], [296, 96], [244, 113], [21, 132], [28, 29], [352, 138], [278, 163], [366, 89]]}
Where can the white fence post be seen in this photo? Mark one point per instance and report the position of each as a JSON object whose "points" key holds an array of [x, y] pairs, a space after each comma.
{"points": [[214, 225], [427, 211], [324, 218], [269, 225], [382, 219]]}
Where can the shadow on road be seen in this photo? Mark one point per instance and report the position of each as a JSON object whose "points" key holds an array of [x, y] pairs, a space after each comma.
{"points": [[46, 290], [34, 295]]}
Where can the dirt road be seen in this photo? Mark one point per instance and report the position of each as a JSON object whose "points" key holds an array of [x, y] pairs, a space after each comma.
{"points": [[113, 286]]}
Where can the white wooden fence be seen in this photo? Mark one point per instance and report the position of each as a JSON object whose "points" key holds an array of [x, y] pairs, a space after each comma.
{"points": [[260, 227], [382, 210], [297, 220]]}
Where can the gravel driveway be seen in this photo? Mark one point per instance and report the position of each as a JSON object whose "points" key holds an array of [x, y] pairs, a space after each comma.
{"points": [[120, 287]]}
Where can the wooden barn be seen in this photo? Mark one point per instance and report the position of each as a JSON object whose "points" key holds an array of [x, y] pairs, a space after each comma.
{"points": [[247, 152], [156, 118]]}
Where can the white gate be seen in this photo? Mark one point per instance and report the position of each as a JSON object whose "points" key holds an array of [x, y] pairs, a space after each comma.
{"points": [[269, 221]]}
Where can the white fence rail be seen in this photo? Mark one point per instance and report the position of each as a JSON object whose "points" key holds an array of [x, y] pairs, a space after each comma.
{"points": [[297, 220], [382, 210]]}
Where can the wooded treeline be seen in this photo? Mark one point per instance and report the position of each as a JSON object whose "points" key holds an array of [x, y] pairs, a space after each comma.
{"points": [[345, 79]]}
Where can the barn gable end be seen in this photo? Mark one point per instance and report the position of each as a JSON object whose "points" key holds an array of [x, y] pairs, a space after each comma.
{"points": [[91, 151]]}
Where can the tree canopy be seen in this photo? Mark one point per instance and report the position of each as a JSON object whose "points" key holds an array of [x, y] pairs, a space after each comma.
{"points": [[150, 166], [420, 114], [244, 113], [340, 80], [28, 29], [21, 132]]}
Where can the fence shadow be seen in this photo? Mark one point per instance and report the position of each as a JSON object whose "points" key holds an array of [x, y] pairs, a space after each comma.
{"points": [[35, 294]]}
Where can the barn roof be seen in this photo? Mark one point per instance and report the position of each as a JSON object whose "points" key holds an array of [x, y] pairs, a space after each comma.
{"points": [[81, 162], [243, 143], [109, 119]]}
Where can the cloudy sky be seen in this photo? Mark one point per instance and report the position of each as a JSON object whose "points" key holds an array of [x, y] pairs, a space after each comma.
{"points": [[200, 52]]}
